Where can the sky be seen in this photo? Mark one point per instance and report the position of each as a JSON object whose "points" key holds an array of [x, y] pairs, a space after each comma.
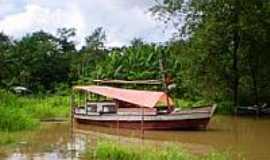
{"points": [[122, 20]]}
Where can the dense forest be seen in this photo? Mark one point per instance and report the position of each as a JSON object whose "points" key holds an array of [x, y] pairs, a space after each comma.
{"points": [[221, 53]]}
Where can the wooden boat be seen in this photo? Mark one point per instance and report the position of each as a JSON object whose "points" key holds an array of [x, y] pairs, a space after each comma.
{"points": [[135, 109]]}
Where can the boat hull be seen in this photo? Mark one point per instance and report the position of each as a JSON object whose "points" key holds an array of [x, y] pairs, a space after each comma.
{"points": [[185, 124], [192, 119]]}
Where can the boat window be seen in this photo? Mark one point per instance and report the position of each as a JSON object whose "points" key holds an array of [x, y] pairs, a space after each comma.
{"points": [[91, 107], [109, 108], [162, 110]]}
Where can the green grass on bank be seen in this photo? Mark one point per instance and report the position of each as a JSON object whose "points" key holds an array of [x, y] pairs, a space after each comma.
{"points": [[223, 107], [185, 103], [10, 138], [20, 113], [115, 151], [16, 119], [25, 112], [7, 138]]}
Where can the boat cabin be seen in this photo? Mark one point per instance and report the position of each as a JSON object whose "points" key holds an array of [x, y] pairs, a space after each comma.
{"points": [[102, 100]]}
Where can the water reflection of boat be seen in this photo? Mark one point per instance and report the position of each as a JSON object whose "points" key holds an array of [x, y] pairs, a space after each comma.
{"points": [[135, 109]]}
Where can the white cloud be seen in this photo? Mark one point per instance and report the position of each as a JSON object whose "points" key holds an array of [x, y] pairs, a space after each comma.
{"points": [[122, 21], [35, 18]]}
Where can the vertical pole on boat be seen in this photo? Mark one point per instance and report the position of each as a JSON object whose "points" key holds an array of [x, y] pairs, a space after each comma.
{"points": [[71, 125], [117, 106], [142, 123], [71, 110], [79, 101]]}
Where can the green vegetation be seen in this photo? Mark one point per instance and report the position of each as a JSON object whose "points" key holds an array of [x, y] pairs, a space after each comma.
{"points": [[220, 53], [16, 119], [7, 138], [187, 103], [19, 113], [115, 151], [14, 137], [226, 45]]}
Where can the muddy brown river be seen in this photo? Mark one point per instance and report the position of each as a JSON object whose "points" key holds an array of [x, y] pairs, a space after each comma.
{"points": [[243, 137]]}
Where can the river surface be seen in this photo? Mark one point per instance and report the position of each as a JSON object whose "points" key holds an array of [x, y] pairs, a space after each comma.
{"points": [[243, 137]]}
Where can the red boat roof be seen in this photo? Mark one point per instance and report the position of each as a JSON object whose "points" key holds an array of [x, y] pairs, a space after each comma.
{"points": [[138, 97]]}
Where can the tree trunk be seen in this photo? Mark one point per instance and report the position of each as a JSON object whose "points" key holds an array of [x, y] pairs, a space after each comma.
{"points": [[235, 69], [254, 81], [236, 44], [255, 89]]}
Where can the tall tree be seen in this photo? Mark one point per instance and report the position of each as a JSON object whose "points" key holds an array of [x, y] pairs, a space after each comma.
{"points": [[65, 36], [217, 32], [95, 41], [137, 42], [40, 62], [90, 53], [5, 47]]}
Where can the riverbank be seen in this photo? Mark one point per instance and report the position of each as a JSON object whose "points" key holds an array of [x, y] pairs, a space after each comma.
{"points": [[113, 150], [53, 141], [25, 112], [239, 136]]}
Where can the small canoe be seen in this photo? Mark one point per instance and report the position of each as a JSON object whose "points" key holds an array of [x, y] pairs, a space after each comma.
{"points": [[260, 110]]}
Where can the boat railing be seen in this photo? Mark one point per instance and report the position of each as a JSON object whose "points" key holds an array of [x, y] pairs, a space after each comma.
{"points": [[137, 111]]}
